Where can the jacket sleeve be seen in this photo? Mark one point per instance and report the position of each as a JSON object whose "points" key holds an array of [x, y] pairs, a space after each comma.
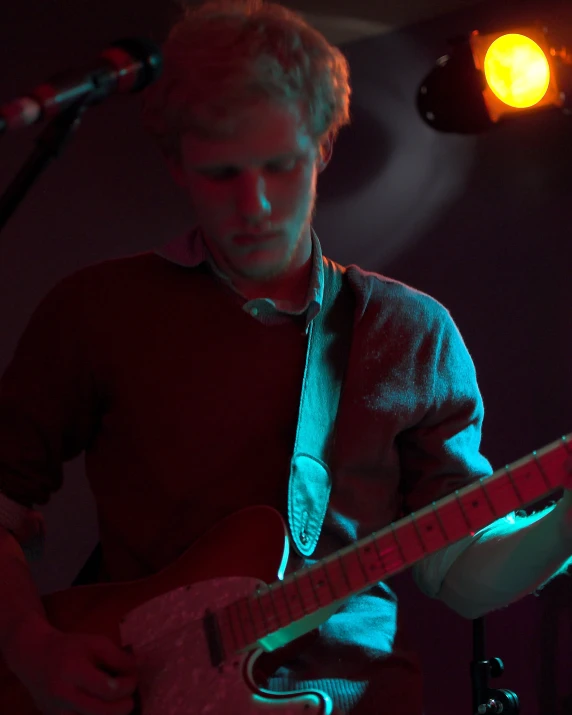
{"points": [[442, 452], [48, 409]]}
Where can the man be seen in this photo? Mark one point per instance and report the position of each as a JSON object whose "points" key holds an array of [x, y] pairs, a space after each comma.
{"points": [[178, 373]]}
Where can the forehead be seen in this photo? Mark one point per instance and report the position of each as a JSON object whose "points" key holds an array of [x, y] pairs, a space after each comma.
{"points": [[261, 132]]}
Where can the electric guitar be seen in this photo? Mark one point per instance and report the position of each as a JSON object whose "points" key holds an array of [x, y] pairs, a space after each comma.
{"points": [[199, 627]]}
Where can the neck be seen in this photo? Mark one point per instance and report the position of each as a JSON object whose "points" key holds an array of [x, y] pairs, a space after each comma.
{"points": [[292, 287]]}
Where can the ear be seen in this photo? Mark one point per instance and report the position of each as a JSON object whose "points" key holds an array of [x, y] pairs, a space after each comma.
{"points": [[325, 152]]}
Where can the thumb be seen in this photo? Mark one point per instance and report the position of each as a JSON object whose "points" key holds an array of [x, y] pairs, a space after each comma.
{"points": [[111, 657]]}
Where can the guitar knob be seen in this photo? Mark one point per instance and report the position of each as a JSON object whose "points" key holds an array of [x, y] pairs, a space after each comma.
{"points": [[496, 667], [492, 706]]}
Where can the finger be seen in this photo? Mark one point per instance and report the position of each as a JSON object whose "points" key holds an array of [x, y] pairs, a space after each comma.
{"points": [[85, 704], [121, 685], [112, 658], [98, 683]]}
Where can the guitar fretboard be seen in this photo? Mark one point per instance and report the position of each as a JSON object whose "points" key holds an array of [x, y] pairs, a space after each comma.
{"points": [[398, 546]]}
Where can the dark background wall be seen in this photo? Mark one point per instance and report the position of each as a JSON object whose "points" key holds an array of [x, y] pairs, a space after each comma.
{"points": [[481, 223]]}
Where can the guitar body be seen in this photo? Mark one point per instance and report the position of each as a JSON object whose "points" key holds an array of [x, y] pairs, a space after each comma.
{"points": [[240, 552], [197, 627], [175, 673]]}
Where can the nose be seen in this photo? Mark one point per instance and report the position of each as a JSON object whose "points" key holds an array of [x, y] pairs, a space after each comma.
{"points": [[252, 202]]}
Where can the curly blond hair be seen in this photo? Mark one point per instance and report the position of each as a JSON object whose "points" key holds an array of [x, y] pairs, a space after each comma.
{"points": [[225, 54]]}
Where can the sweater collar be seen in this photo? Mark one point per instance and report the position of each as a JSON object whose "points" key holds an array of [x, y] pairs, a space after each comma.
{"points": [[190, 250]]}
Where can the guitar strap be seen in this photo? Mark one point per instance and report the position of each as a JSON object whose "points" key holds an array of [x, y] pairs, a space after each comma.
{"points": [[329, 342]]}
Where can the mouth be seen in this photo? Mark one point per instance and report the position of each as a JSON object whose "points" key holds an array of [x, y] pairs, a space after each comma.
{"points": [[250, 239]]}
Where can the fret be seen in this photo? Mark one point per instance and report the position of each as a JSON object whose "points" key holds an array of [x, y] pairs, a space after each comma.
{"points": [[528, 480], [246, 621], [259, 621], [256, 627], [271, 593], [439, 521], [484, 490], [302, 600], [451, 514], [413, 520], [282, 603], [308, 594], [371, 561], [513, 485], [257, 596], [463, 512], [541, 469], [477, 509], [343, 569], [319, 579], [293, 598], [501, 494], [235, 610], [430, 533], [267, 605], [314, 590], [553, 460], [336, 578], [398, 543], [410, 546], [354, 570], [379, 555], [363, 567], [234, 622], [388, 555], [326, 573]]}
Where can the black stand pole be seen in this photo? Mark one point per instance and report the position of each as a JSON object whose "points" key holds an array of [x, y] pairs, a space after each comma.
{"points": [[488, 700], [48, 146]]}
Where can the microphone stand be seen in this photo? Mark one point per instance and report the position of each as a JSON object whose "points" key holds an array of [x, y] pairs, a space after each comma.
{"points": [[488, 700], [49, 145]]}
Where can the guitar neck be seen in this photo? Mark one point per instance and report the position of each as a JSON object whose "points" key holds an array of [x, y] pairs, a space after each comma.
{"points": [[395, 548]]}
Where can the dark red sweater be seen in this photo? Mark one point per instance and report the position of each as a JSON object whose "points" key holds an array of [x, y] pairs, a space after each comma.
{"points": [[186, 407], [172, 446]]}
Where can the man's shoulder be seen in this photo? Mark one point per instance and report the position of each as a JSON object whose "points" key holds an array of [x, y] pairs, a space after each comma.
{"points": [[377, 294], [112, 274], [123, 266], [109, 282]]}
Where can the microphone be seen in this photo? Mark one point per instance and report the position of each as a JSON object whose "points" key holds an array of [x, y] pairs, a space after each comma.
{"points": [[127, 65]]}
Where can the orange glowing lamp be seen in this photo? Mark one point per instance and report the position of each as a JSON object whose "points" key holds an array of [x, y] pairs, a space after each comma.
{"points": [[518, 71]]}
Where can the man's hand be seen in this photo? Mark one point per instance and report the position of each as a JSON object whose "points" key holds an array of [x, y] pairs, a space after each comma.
{"points": [[75, 673]]}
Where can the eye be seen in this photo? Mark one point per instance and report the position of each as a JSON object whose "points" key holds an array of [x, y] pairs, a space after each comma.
{"points": [[283, 166], [222, 175]]}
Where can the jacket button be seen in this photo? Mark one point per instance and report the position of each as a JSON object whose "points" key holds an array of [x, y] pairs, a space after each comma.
{"points": [[303, 537]]}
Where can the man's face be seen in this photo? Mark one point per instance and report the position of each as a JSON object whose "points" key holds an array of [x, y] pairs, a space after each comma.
{"points": [[262, 179]]}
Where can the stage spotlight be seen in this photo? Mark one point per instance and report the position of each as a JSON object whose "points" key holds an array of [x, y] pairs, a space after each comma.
{"points": [[490, 77]]}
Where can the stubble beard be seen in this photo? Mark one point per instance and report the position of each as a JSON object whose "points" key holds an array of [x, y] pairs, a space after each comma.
{"points": [[264, 273]]}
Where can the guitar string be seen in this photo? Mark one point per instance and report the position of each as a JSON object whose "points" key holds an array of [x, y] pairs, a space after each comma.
{"points": [[295, 580]]}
